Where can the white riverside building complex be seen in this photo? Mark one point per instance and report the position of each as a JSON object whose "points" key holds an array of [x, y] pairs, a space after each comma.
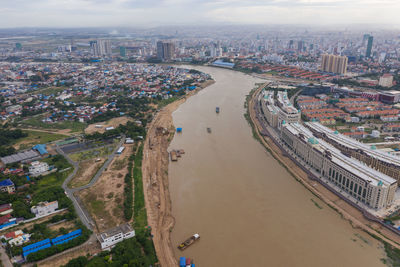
{"points": [[363, 183], [280, 110], [352, 177], [374, 158]]}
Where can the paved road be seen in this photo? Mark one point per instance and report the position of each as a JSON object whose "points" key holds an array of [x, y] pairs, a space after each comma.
{"points": [[5, 260], [80, 210], [294, 96]]}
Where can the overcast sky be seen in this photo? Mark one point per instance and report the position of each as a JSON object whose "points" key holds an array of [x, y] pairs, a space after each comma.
{"points": [[92, 13]]}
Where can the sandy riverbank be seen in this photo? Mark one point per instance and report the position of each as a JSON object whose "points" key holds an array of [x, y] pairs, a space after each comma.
{"points": [[155, 179], [348, 212]]}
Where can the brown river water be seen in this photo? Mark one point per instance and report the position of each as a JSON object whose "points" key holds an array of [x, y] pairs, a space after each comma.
{"points": [[248, 210]]}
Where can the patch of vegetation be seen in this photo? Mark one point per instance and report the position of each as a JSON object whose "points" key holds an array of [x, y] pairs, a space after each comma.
{"points": [[128, 190], [118, 164], [42, 254], [139, 204], [247, 114], [8, 137], [136, 251], [393, 255], [50, 90], [34, 137], [36, 122], [164, 102], [93, 153]]}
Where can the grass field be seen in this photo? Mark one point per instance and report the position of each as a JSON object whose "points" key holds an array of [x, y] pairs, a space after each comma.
{"points": [[36, 122], [51, 90], [94, 153], [35, 137]]}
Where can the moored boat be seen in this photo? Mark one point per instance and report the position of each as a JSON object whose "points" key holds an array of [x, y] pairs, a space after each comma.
{"points": [[189, 241]]}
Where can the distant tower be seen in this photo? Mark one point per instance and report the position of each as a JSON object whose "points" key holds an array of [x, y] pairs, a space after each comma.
{"points": [[334, 64], [300, 45], [122, 51], [100, 47], [365, 39], [165, 50], [369, 46]]}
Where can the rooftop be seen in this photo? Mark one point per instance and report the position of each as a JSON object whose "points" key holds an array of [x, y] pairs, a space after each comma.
{"points": [[356, 167]]}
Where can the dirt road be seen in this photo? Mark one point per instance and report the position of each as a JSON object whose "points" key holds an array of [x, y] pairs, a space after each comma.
{"points": [[155, 179]]}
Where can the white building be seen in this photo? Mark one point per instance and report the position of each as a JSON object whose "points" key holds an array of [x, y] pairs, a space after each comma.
{"points": [[375, 133], [37, 168], [19, 240], [115, 235], [352, 178], [14, 109], [375, 158], [269, 109], [129, 141], [44, 208], [279, 111], [287, 112], [386, 80]]}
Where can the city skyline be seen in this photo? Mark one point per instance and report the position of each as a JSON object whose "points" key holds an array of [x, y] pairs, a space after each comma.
{"points": [[139, 13]]}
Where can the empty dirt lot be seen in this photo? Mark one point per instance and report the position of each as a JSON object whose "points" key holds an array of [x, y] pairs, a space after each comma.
{"points": [[113, 122], [87, 169], [104, 200]]}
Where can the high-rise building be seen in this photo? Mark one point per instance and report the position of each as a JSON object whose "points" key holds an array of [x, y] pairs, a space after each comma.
{"points": [[165, 50], [291, 44], [334, 64], [300, 46], [101, 47], [122, 51], [365, 39], [369, 46]]}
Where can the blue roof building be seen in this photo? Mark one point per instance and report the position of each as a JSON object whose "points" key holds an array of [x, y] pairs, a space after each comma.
{"points": [[41, 149], [66, 238], [36, 247], [7, 186]]}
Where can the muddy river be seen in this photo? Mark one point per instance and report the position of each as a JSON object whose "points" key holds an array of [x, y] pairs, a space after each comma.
{"points": [[248, 210]]}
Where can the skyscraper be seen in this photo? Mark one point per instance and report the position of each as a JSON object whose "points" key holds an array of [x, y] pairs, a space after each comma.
{"points": [[101, 47], [365, 39], [122, 51], [300, 46], [165, 50], [334, 64], [369, 46]]}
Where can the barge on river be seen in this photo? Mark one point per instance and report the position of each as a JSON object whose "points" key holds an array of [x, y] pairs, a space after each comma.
{"points": [[189, 241]]}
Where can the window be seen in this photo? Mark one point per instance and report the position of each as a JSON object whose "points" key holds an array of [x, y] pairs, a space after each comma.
{"points": [[351, 185], [355, 188]]}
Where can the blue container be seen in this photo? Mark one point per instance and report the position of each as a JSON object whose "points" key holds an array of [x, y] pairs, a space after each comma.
{"points": [[182, 262], [178, 130]]}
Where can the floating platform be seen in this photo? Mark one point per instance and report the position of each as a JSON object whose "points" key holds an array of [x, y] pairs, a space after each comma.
{"points": [[173, 155]]}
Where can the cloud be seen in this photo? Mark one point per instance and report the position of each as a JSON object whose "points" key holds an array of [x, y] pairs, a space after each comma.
{"points": [[91, 13]]}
